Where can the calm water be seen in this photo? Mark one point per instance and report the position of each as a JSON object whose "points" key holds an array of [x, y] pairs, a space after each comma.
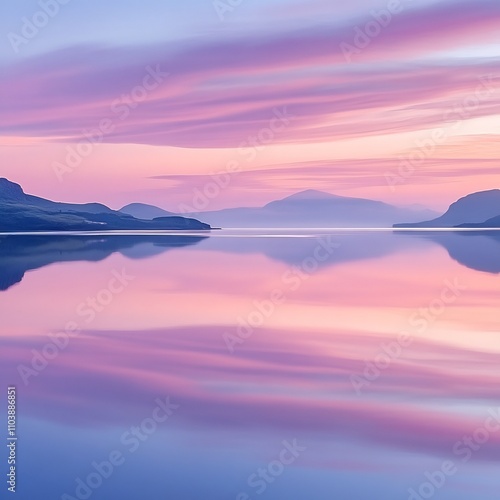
{"points": [[317, 366]]}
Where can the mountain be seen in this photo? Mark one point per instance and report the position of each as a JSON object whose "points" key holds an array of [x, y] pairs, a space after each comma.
{"points": [[20, 212], [145, 211], [492, 223], [471, 210], [313, 208], [12, 193]]}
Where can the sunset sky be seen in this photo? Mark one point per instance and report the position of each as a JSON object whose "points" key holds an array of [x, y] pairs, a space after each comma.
{"points": [[392, 100]]}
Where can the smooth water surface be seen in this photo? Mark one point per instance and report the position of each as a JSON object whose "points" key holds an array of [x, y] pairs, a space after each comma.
{"points": [[297, 365]]}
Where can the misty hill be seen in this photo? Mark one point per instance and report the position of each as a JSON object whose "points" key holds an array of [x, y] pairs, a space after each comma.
{"points": [[145, 211], [315, 209], [21, 212], [469, 211]]}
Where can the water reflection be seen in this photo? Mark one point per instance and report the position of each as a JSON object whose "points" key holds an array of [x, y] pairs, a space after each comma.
{"points": [[290, 378], [19, 254], [478, 250]]}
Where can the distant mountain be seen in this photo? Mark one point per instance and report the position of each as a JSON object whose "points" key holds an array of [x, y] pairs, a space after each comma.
{"points": [[473, 210], [145, 211], [20, 212], [313, 208]]}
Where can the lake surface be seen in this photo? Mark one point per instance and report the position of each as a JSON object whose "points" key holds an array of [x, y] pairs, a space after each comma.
{"points": [[297, 365]]}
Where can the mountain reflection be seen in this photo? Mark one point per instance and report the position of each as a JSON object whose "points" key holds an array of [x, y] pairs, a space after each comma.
{"points": [[19, 253], [477, 250]]}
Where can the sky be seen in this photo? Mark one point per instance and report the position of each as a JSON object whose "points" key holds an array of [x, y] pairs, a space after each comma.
{"points": [[243, 102]]}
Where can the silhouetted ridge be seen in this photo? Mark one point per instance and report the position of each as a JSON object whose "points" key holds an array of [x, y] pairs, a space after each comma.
{"points": [[20, 212], [473, 209]]}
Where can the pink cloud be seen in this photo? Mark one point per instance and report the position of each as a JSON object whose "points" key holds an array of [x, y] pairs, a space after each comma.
{"points": [[218, 93]]}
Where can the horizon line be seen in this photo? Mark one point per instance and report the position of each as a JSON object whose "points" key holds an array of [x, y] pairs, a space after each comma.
{"points": [[218, 231]]}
